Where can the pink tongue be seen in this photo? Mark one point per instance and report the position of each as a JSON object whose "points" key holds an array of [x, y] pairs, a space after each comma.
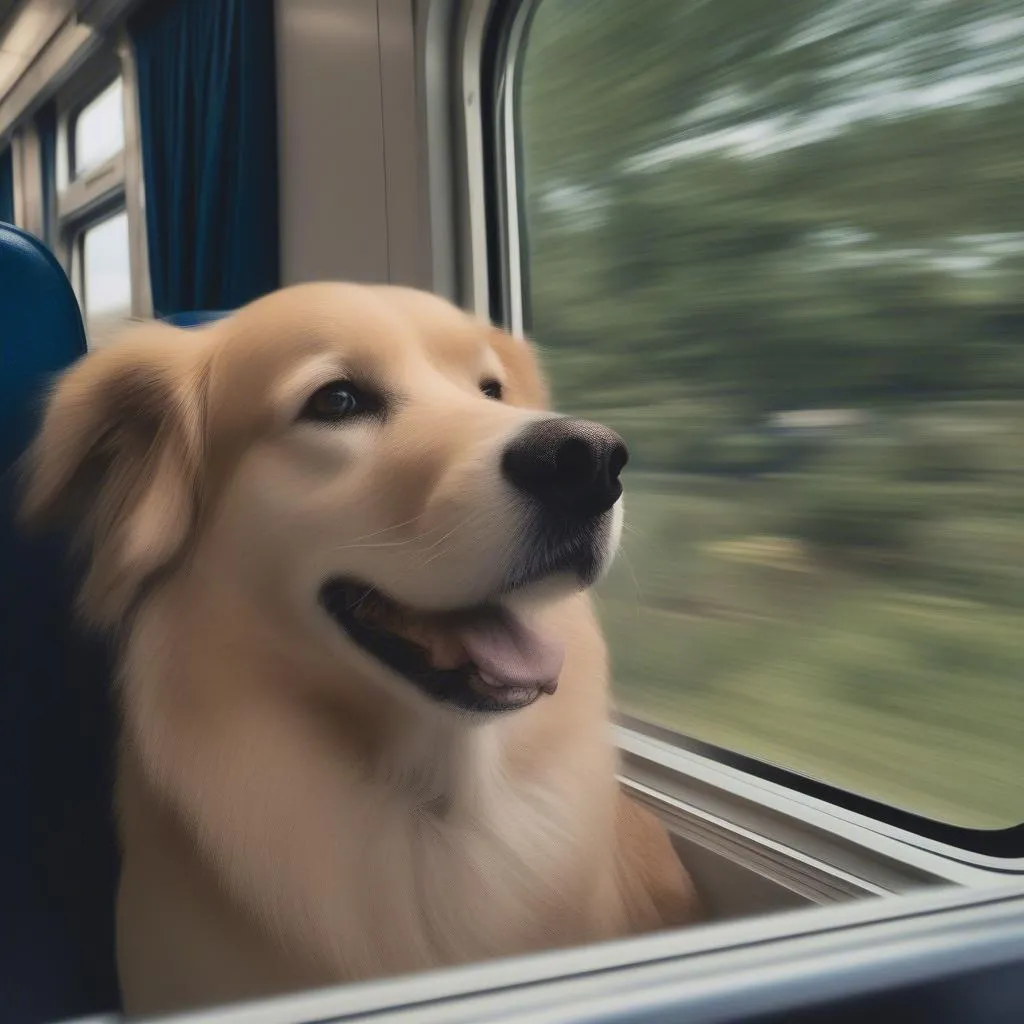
{"points": [[512, 654]]}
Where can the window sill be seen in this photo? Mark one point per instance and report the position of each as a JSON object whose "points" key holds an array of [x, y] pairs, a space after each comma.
{"points": [[818, 850]]}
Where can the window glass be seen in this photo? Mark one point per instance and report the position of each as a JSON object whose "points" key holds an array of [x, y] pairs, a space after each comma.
{"points": [[780, 247], [99, 129], [106, 274]]}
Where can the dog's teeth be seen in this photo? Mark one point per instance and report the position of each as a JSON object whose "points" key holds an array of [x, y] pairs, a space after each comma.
{"points": [[501, 690]]}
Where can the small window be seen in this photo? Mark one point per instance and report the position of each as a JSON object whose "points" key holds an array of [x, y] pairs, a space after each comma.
{"points": [[106, 285], [780, 247], [98, 132]]}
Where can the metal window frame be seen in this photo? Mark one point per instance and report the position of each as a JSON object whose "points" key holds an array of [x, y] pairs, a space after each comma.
{"points": [[85, 200], [19, 144], [720, 972], [100, 75]]}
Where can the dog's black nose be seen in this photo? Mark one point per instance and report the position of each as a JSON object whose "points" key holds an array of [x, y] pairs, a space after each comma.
{"points": [[570, 466]]}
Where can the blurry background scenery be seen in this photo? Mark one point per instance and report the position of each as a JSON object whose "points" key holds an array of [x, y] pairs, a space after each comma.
{"points": [[780, 247]]}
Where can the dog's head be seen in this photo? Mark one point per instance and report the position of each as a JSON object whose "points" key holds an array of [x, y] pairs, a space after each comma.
{"points": [[373, 465]]}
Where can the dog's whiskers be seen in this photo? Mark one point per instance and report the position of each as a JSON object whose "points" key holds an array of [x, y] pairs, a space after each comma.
{"points": [[360, 542], [475, 516]]}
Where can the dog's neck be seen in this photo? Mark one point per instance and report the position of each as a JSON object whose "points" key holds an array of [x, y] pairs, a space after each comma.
{"points": [[446, 765]]}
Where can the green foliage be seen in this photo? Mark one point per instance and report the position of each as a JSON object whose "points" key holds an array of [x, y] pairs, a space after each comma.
{"points": [[818, 264], [930, 459], [895, 684], [864, 516]]}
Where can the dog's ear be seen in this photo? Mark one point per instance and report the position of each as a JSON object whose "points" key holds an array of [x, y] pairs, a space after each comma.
{"points": [[118, 459], [526, 385]]}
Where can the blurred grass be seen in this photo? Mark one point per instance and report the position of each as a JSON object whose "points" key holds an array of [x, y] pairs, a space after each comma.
{"points": [[858, 619]]}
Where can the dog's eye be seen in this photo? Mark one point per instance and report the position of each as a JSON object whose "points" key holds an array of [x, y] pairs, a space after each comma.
{"points": [[492, 389], [339, 400]]}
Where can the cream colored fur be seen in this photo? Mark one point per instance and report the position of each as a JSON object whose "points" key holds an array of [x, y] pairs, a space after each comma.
{"points": [[291, 813]]}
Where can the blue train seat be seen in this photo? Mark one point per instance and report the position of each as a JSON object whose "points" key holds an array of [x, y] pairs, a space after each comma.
{"points": [[58, 860], [194, 318], [58, 851]]}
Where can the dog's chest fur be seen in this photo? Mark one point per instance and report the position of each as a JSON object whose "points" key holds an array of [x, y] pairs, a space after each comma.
{"points": [[439, 855], [492, 866]]}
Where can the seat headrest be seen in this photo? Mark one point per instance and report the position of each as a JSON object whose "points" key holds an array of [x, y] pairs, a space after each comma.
{"points": [[194, 318], [41, 333]]}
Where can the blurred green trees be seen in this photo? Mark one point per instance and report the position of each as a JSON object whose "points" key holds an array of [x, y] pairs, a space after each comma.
{"points": [[807, 203], [780, 246]]}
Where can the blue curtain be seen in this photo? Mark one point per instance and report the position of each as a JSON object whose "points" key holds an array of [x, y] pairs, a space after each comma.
{"points": [[208, 111], [6, 187], [46, 126]]}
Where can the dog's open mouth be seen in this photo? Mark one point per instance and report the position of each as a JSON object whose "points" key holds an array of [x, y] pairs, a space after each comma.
{"points": [[480, 659]]}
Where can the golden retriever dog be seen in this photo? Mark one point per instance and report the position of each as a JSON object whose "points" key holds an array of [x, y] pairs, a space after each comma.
{"points": [[344, 550]]}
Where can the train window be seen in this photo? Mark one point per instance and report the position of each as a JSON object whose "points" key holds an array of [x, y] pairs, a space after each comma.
{"points": [[100, 221], [106, 281], [779, 247], [98, 130]]}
